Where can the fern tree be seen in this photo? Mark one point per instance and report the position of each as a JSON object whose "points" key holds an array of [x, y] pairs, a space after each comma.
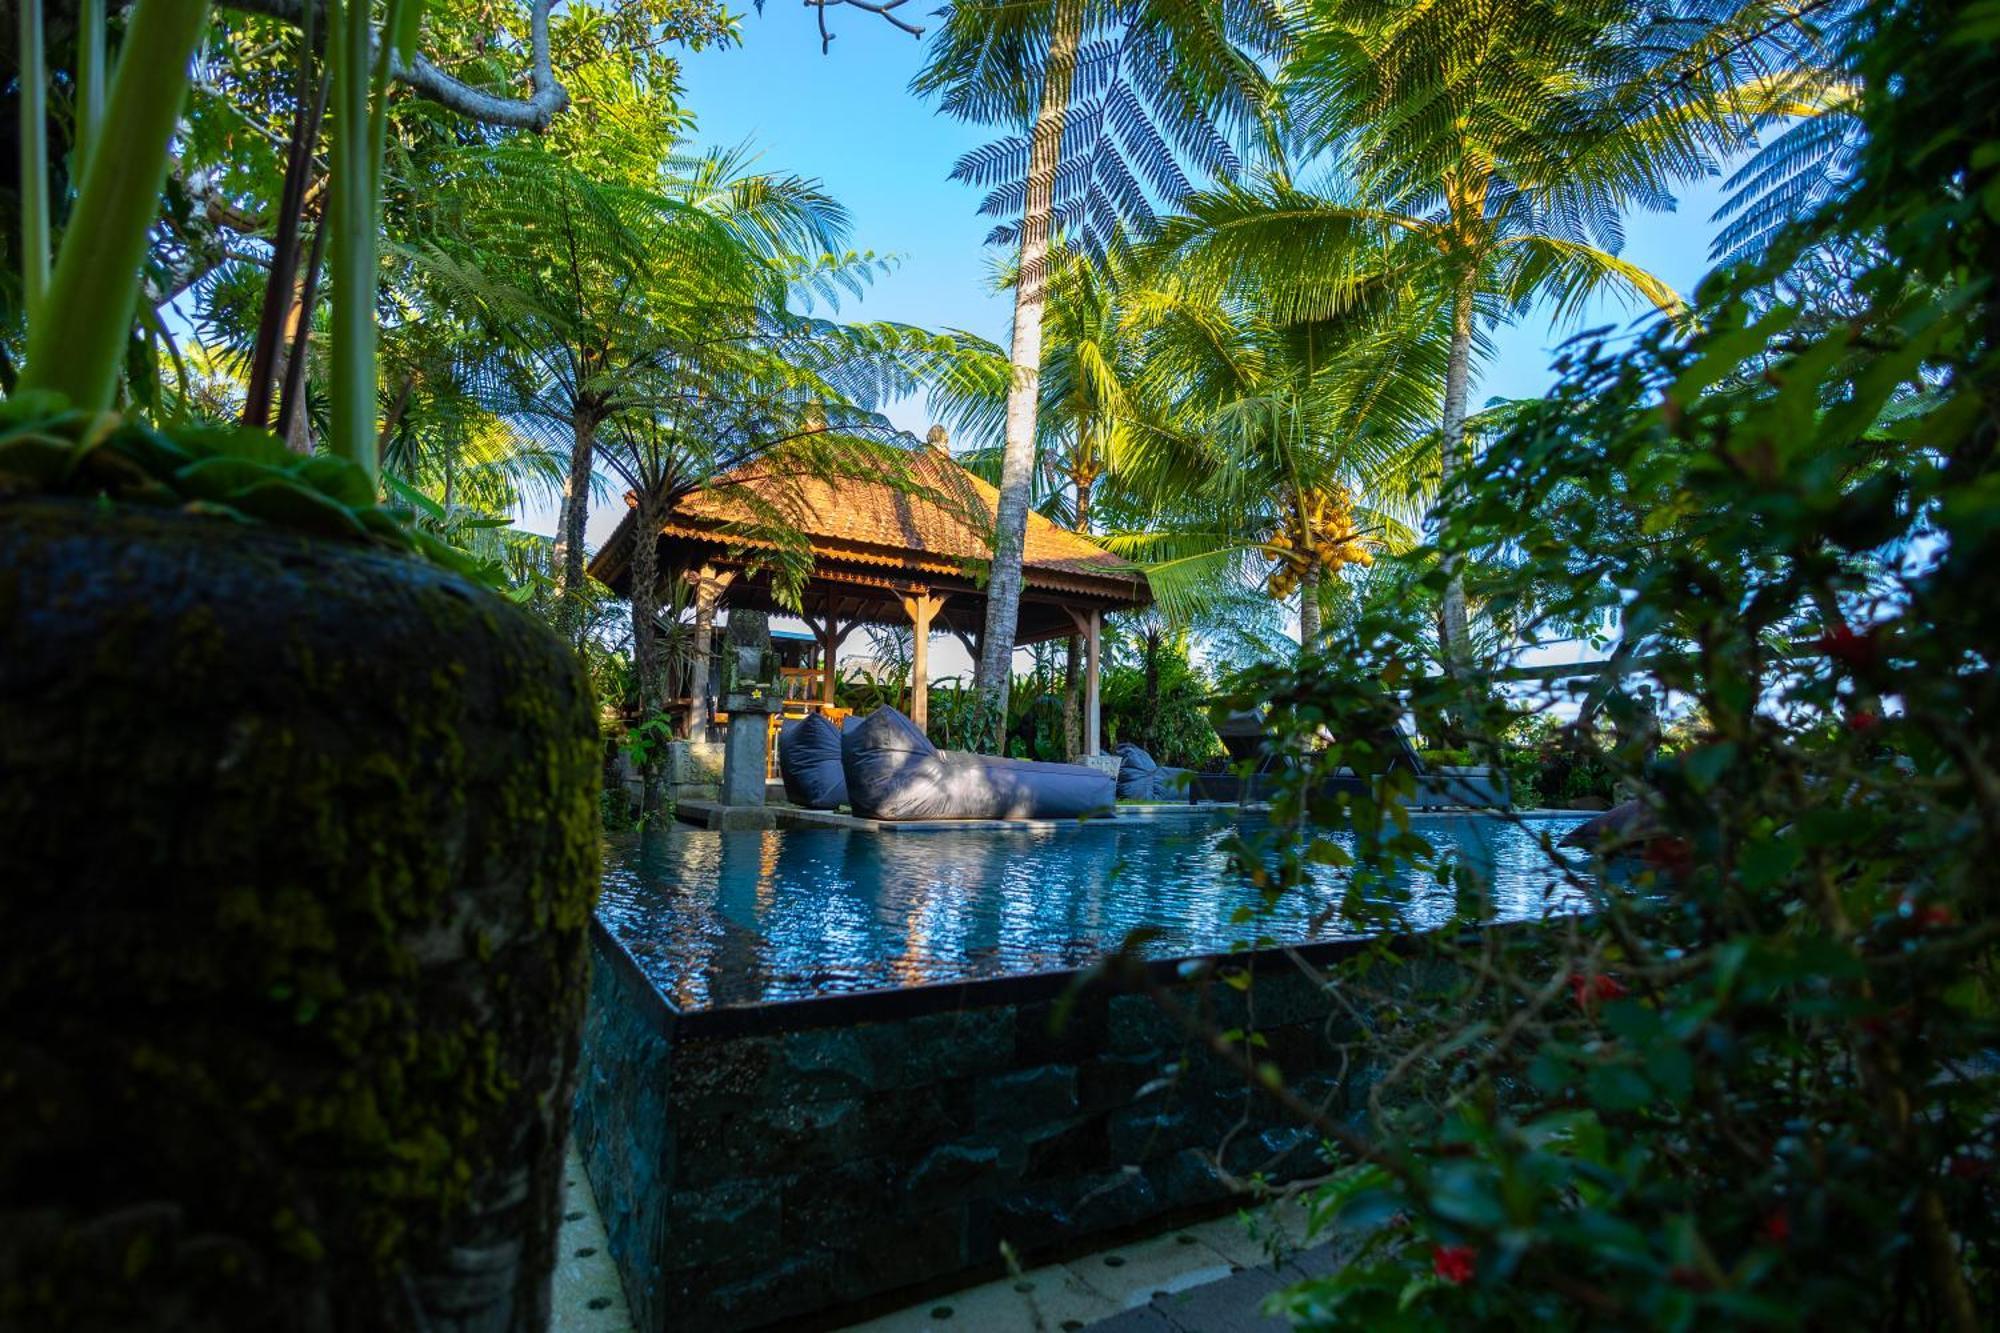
{"points": [[1136, 78], [1492, 146], [587, 287]]}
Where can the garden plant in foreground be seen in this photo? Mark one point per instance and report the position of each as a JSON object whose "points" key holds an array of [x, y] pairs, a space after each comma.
{"points": [[1753, 1085]]}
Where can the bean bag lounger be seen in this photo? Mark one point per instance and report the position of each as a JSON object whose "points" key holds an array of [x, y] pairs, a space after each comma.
{"points": [[809, 762], [894, 772], [1623, 829], [1138, 774], [1143, 778]]}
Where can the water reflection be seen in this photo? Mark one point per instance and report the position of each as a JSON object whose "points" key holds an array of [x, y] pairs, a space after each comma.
{"points": [[740, 917]]}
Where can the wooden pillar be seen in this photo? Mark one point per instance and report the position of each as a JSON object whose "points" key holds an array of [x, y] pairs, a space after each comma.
{"points": [[920, 606], [829, 645], [1090, 628], [1092, 722]]}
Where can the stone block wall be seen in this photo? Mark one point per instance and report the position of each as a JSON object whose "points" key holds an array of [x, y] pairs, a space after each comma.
{"points": [[694, 770], [757, 1167]]}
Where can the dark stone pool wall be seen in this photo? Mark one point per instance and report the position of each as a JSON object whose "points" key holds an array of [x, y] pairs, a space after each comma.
{"points": [[766, 1166]]}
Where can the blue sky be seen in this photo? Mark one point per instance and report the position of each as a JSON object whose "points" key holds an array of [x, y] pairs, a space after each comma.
{"points": [[849, 119]]}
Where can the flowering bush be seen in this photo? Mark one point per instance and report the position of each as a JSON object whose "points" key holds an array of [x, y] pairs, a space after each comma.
{"points": [[1754, 1083]]}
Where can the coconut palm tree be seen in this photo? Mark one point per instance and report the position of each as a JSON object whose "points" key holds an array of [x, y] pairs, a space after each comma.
{"points": [[1491, 146], [1291, 449], [1167, 77]]}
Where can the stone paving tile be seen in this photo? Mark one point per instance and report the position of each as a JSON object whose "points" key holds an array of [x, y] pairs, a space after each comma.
{"points": [[1145, 1319], [1249, 1243], [588, 1296], [1208, 1278], [1063, 1303], [1233, 1305], [1131, 1275]]}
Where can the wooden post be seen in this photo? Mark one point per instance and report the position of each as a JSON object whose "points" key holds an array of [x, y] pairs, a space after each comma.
{"points": [[1092, 722], [920, 606], [829, 645]]}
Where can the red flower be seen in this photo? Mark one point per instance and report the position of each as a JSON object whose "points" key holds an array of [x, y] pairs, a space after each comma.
{"points": [[1861, 721], [1776, 1228], [1844, 645], [1453, 1263], [1672, 855], [1587, 991], [1937, 917]]}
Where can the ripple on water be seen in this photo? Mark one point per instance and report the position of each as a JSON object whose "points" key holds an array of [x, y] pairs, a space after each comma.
{"points": [[744, 917]]}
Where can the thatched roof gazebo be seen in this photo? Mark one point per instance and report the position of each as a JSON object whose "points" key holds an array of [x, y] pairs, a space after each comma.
{"points": [[904, 551]]}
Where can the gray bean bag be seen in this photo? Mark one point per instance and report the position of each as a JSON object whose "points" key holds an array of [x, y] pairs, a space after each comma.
{"points": [[809, 762], [1138, 774], [1626, 827], [894, 772], [1142, 778]]}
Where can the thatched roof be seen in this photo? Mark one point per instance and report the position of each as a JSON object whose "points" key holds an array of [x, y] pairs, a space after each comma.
{"points": [[933, 525]]}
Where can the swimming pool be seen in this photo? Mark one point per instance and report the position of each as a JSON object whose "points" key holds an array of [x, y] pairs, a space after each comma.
{"points": [[721, 919]]}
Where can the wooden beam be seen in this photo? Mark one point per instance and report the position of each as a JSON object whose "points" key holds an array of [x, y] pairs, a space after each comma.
{"points": [[920, 605], [829, 648], [1092, 721]]}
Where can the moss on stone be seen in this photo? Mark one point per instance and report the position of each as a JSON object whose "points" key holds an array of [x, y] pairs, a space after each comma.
{"points": [[307, 845]]}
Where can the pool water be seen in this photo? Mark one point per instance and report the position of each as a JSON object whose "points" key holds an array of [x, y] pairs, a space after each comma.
{"points": [[720, 919]]}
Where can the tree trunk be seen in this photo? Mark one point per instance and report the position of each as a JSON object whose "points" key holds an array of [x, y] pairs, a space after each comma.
{"points": [[1149, 730], [575, 515], [646, 644], [293, 424], [1454, 624], [1003, 588], [394, 417], [279, 315], [1310, 628]]}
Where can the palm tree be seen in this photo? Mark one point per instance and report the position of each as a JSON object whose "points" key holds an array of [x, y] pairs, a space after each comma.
{"points": [[1492, 146], [1088, 400], [1165, 74], [1291, 450]]}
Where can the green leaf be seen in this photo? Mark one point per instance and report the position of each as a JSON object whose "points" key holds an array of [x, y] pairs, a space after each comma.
{"points": [[1617, 1087], [291, 504], [409, 18]]}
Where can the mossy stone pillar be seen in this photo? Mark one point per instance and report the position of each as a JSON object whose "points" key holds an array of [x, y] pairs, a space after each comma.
{"points": [[300, 851]]}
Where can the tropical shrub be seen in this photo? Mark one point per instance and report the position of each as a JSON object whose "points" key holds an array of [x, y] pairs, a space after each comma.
{"points": [[1162, 704], [1550, 762], [1752, 1082]]}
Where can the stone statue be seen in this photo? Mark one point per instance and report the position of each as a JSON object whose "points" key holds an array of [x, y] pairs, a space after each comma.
{"points": [[750, 694]]}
